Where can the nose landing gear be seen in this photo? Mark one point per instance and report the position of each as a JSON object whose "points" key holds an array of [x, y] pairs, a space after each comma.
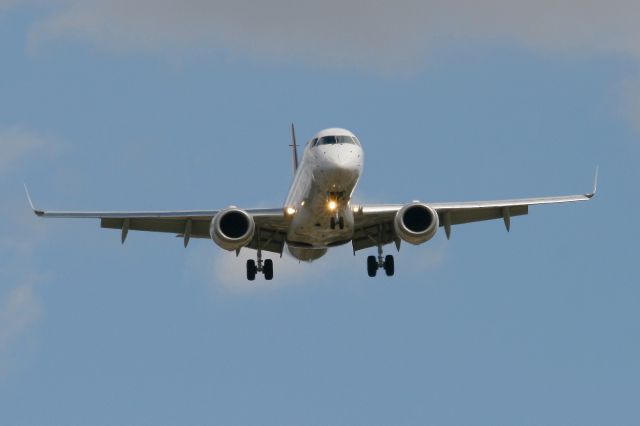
{"points": [[339, 221], [334, 199]]}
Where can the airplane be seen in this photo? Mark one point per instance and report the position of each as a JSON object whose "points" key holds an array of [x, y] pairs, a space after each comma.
{"points": [[318, 213]]}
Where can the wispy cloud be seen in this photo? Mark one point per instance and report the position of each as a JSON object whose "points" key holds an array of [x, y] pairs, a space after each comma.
{"points": [[20, 234], [20, 306], [381, 34], [427, 257], [19, 310], [16, 142], [630, 94], [228, 273]]}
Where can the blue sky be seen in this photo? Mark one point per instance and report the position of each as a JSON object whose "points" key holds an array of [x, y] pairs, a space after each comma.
{"points": [[127, 107]]}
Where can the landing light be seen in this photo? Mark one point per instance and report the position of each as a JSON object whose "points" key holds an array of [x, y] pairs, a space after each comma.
{"points": [[333, 205], [291, 211]]}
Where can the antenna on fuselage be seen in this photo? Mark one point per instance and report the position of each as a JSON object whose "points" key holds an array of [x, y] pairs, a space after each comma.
{"points": [[294, 148]]}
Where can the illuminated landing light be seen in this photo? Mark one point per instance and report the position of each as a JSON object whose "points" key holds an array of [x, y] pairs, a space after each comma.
{"points": [[290, 211], [332, 205]]}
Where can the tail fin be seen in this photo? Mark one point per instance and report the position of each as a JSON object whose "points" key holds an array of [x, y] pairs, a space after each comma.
{"points": [[294, 148]]}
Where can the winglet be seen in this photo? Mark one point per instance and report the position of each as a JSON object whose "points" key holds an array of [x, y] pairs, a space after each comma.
{"points": [[36, 211], [595, 185]]}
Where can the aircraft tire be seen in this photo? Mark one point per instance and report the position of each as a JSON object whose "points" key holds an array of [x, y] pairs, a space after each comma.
{"points": [[389, 265], [372, 266], [251, 269], [267, 269]]}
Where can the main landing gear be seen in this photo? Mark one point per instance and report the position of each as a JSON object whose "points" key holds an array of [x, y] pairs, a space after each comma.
{"points": [[266, 268], [381, 262], [386, 263]]}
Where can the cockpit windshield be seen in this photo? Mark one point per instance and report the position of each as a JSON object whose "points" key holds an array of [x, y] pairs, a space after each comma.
{"points": [[332, 140]]}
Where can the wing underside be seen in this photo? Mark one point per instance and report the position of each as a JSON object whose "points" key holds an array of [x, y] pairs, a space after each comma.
{"points": [[187, 224], [374, 223]]}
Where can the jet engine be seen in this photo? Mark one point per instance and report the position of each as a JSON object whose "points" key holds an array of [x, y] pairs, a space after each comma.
{"points": [[416, 223], [232, 228]]}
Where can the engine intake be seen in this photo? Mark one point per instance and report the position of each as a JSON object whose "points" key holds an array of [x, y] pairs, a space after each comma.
{"points": [[232, 228], [416, 223]]}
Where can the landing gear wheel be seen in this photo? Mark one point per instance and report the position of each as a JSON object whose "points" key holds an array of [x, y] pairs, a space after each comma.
{"points": [[389, 266], [341, 222], [251, 269], [332, 223], [372, 266], [267, 269]]}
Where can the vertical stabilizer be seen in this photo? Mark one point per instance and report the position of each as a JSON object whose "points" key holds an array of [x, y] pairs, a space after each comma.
{"points": [[294, 148]]}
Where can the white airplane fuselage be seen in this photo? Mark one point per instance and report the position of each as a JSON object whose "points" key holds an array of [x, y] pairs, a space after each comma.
{"points": [[320, 195]]}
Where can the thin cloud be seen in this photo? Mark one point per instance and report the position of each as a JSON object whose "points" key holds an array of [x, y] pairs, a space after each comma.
{"points": [[229, 272], [371, 33], [16, 142], [20, 234], [20, 306], [224, 272], [427, 258], [18, 312], [630, 94]]}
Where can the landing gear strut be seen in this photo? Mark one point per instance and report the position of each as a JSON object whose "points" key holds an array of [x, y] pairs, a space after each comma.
{"points": [[265, 267], [381, 262], [339, 221], [334, 199]]}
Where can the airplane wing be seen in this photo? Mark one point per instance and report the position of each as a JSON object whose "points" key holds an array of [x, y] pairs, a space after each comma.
{"points": [[374, 223], [185, 223]]}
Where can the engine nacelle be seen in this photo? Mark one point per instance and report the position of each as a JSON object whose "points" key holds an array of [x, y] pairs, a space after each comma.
{"points": [[232, 228], [416, 223]]}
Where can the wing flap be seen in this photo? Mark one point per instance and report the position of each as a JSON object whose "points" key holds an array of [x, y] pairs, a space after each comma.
{"points": [[365, 237], [477, 214], [199, 228], [270, 240]]}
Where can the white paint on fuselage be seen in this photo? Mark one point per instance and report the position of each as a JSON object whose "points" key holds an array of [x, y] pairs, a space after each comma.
{"points": [[324, 169]]}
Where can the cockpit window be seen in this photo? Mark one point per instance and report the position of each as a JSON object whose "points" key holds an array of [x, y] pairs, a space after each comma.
{"points": [[332, 140]]}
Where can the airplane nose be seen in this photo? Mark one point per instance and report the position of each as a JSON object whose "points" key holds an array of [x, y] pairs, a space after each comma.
{"points": [[340, 164], [341, 161]]}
